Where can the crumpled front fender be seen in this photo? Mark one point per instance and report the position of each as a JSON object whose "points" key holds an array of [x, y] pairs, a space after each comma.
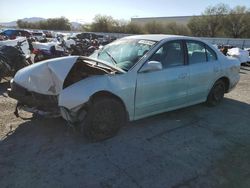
{"points": [[79, 93]]}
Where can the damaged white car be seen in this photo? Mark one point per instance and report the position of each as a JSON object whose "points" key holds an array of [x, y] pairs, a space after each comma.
{"points": [[131, 78]]}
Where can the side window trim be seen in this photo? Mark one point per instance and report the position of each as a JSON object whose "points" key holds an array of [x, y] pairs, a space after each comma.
{"points": [[213, 52], [185, 52], [205, 46]]}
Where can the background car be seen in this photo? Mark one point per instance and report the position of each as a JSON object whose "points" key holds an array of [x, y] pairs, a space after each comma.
{"points": [[90, 36], [40, 36], [13, 33], [48, 34]]}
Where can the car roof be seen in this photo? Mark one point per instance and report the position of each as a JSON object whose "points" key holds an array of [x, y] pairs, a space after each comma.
{"points": [[159, 37]]}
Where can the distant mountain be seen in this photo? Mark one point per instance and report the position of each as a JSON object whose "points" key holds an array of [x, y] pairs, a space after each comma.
{"points": [[9, 24], [75, 25], [33, 19], [14, 24]]}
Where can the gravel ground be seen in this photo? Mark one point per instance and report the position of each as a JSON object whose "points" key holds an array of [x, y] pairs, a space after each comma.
{"points": [[193, 147]]}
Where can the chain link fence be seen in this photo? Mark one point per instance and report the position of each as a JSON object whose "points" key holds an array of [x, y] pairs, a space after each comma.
{"points": [[241, 43]]}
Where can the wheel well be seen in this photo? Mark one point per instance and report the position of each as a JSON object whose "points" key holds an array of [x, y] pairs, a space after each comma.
{"points": [[101, 94], [226, 81]]}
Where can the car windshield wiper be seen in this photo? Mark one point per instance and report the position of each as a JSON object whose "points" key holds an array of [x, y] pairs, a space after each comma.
{"points": [[111, 57]]}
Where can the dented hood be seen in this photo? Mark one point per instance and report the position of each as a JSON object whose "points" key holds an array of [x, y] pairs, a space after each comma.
{"points": [[47, 77]]}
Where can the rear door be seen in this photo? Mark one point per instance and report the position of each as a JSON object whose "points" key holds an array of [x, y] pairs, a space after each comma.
{"points": [[204, 69]]}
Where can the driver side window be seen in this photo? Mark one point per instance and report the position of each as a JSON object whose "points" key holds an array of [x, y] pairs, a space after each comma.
{"points": [[171, 54]]}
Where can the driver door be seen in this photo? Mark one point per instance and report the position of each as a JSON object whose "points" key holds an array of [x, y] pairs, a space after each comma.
{"points": [[166, 89]]}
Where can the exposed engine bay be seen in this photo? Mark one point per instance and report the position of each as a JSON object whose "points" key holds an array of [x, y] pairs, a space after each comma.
{"points": [[81, 70]]}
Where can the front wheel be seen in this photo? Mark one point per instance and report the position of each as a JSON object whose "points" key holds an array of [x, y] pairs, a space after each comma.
{"points": [[104, 119], [4, 70], [216, 94]]}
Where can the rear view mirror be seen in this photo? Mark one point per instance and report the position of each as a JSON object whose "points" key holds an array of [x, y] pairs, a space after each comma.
{"points": [[151, 66]]}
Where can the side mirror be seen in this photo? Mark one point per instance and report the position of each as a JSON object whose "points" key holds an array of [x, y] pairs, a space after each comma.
{"points": [[151, 66]]}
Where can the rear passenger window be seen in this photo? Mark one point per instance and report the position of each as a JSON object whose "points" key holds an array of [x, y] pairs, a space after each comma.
{"points": [[196, 52]]}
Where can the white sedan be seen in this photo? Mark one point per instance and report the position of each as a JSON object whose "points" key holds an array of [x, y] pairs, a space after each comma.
{"points": [[129, 79]]}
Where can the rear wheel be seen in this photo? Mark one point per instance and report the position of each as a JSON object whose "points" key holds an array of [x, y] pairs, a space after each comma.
{"points": [[216, 94], [104, 119]]}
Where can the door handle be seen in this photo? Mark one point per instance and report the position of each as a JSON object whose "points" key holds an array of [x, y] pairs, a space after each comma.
{"points": [[182, 76]]}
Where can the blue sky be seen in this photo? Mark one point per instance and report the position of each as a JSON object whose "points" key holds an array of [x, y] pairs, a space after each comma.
{"points": [[84, 11]]}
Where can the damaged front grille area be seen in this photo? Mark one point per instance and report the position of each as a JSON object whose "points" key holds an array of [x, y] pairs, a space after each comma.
{"points": [[46, 103]]}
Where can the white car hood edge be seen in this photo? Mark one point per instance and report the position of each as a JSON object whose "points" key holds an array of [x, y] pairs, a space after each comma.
{"points": [[46, 77]]}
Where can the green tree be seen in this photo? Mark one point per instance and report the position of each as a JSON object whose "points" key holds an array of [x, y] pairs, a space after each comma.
{"points": [[50, 24], [154, 28], [57, 24], [103, 23], [86, 27], [176, 29], [210, 22], [198, 26], [236, 24], [132, 28], [119, 26], [22, 24], [213, 17]]}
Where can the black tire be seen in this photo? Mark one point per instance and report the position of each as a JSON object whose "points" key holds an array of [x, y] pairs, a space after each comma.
{"points": [[104, 119], [216, 94], [3, 70]]}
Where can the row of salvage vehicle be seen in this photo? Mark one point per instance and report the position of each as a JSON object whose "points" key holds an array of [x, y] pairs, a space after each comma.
{"points": [[129, 79], [242, 54], [19, 48]]}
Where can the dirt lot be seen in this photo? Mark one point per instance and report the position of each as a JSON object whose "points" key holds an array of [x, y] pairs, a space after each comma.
{"points": [[192, 147]]}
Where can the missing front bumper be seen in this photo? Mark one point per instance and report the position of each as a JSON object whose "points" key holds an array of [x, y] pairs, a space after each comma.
{"points": [[35, 111], [43, 105]]}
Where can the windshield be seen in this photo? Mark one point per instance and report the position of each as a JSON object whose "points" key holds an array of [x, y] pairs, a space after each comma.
{"points": [[124, 53]]}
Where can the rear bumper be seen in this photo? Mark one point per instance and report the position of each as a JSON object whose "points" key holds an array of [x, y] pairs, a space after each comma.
{"points": [[32, 101]]}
